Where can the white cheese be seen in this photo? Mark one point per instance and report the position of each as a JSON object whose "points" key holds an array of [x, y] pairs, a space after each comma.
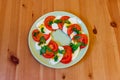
{"points": [[55, 26], [60, 56], [64, 29], [72, 35], [47, 42], [46, 31], [37, 46], [75, 54]]}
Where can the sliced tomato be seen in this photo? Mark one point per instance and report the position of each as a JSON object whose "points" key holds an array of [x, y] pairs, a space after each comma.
{"points": [[46, 36], [48, 54], [60, 25], [63, 18], [53, 45], [82, 38], [48, 21], [68, 55], [70, 29], [36, 35]]}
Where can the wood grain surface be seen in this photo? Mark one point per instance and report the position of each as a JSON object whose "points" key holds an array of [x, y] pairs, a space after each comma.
{"points": [[102, 60]]}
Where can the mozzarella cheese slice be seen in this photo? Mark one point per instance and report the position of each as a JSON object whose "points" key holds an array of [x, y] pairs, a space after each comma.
{"points": [[55, 26], [47, 42], [72, 35], [60, 56], [64, 29], [46, 30], [53, 62], [37, 46], [75, 54]]}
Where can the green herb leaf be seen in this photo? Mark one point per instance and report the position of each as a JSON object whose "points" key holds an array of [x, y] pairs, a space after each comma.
{"points": [[75, 30], [42, 40], [43, 50], [74, 46], [61, 51], [50, 23], [35, 33], [68, 22], [58, 21], [77, 37], [83, 44], [42, 30], [49, 49], [67, 26], [56, 58]]}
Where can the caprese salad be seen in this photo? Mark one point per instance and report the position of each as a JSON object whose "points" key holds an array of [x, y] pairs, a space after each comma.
{"points": [[59, 38]]}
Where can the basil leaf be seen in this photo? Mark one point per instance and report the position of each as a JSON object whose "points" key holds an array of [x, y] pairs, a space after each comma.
{"points": [[58, 21], [43, 50], [49, 49], [42, 30], [77, 37], [68, 22], [56, 58], [50, 23], [35, 33], [75, 46], [42, 40], [83, 44], [61, 51], [75, 30]]}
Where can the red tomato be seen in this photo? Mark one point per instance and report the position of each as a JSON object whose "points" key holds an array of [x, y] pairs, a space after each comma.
{"points": [[36, 35], [46, 36], [70, 29], [83, 38], [47, 22], [53, 45], [63, 18], [60, 25], [68, 55], [48, 54]]}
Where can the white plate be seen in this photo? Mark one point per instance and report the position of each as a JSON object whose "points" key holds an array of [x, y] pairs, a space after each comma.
{"points": [[36, 53]]}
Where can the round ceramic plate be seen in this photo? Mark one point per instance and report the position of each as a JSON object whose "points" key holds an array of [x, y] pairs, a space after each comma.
{"points": [[44, 61]]}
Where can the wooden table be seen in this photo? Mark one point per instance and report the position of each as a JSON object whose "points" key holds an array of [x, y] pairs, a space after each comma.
{"points": [[102, 60]]}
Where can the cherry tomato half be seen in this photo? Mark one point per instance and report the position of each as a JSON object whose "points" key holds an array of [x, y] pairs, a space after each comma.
{"points": [[82, 38], [48, 54], [70, 29], [63, 18], [68, 55], [36, 35], [48, 21], [53, 45]]}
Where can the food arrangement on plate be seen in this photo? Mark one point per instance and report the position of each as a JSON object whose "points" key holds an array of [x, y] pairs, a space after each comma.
{"points": [[59, 38]]}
